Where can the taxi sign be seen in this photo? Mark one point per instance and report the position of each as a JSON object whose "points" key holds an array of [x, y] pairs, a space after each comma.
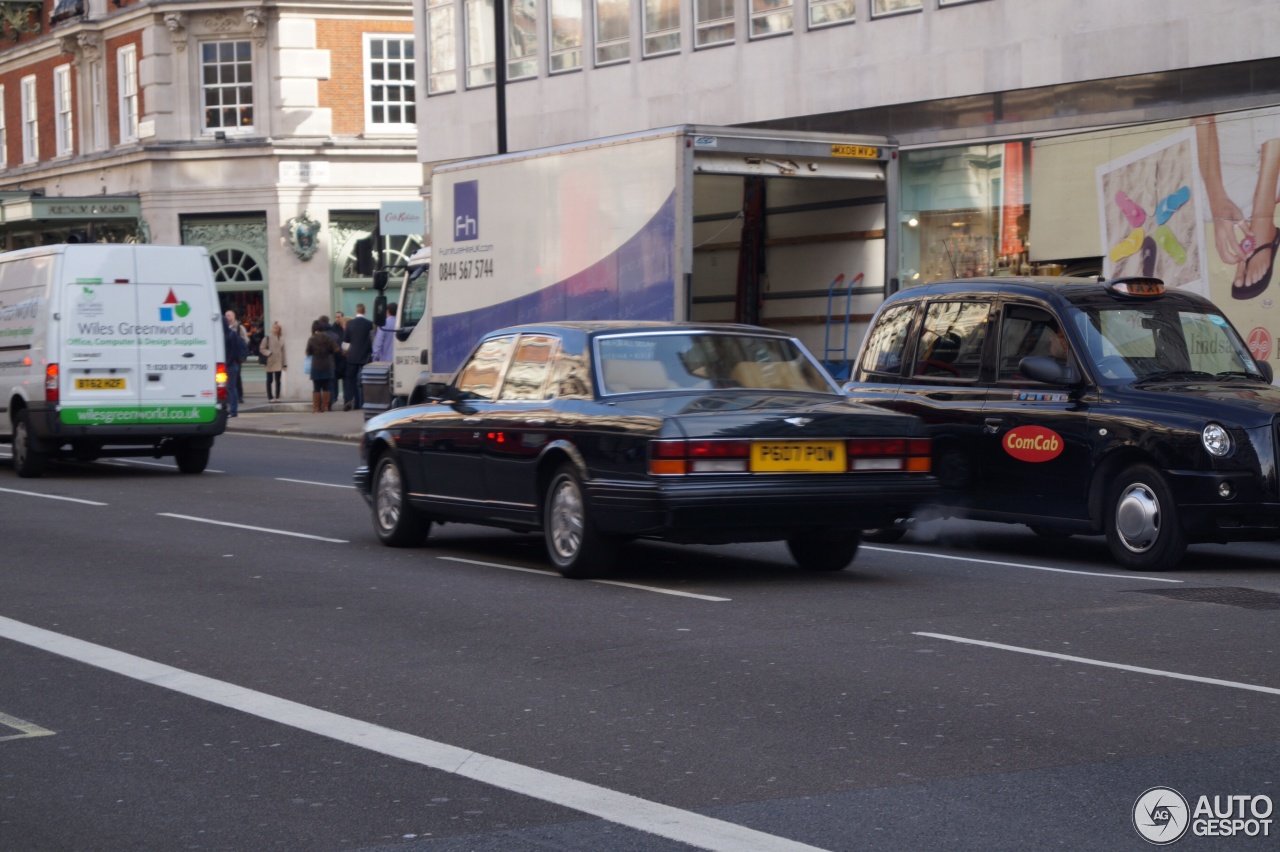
{"points": [[1137, 286], [860, 152]]}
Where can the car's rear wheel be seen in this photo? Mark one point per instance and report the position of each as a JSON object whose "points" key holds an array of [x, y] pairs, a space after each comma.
{"points": [[28, 462], [395, 520], [191, 458], [1142, 525], [824, 549], [575, 546]]}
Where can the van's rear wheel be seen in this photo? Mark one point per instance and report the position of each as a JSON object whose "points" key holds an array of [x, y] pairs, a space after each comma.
{"points": [[28, 461], [191, 459]]}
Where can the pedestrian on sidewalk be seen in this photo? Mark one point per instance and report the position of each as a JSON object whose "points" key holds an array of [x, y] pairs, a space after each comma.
{"points": [[272, 348], [321, 347], [383, 341], [357, 346], [339, 362], [244, 336], [236, 350]]}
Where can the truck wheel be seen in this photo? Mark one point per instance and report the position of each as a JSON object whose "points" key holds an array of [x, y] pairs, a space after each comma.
{"points": [[395, 520], [576, 547], [28, 462], [191, 459], [1142, 524], [824, 549]]}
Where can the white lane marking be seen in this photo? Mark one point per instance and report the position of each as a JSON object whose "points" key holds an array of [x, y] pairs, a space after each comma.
{"points": [[1213, 681], [165, 465], [651, 817], [602, 582], [27, 729], [309, 482], [52, 497], [1023, 565], [255, 529]]}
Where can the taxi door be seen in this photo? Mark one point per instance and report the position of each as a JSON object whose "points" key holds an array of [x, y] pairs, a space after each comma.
{"points": [[1035, 437]]}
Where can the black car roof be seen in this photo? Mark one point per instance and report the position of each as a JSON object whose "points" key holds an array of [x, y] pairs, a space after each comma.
{"points": [[1076, 291], [622, 326]]}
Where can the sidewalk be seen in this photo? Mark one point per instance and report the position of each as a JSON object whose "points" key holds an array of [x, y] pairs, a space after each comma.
{"points": [[292, 416]]}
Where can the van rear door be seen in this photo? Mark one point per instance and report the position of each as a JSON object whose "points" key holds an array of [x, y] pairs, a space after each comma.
{"points": [[99, 380]]}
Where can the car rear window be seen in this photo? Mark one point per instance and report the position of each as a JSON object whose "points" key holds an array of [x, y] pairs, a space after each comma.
{"points": [[649, 362]]}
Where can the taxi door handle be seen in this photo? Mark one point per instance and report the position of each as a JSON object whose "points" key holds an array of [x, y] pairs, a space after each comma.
{"points": [[992, 425]]}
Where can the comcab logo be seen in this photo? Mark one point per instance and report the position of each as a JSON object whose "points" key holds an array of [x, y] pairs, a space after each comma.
{"points": [[466, 211], [1033, 444], [171, 306]]}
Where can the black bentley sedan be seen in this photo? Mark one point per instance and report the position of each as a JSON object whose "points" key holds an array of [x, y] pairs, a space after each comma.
{"points": [[1080, 406], [597, 433]]}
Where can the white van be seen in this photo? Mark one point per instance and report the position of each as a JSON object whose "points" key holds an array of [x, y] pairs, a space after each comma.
{"points": [[110, 350]]}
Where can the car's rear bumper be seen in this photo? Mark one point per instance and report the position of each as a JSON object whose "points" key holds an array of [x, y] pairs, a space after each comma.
{"points": [[758, 507]]}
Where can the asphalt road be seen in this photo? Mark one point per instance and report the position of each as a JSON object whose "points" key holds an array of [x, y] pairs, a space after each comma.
{"points": [[232, 661]]}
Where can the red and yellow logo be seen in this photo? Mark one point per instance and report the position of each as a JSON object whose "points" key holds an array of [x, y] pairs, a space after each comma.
{"points": [[1033, 444]]}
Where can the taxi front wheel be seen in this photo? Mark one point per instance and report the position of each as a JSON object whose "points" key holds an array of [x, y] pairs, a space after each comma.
{"points": [[1142, 524]]}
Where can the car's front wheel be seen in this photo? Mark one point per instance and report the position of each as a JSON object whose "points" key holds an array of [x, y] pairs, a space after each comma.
{"points": [[395, 520], [824, 549], [28, 461], [1142, 525], [575, 546]]}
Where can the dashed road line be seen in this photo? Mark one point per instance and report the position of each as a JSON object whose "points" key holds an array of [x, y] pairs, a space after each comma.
{"points": [[253, 528], [310, 482], [53, 497], [1022, 565], [656, 589]]}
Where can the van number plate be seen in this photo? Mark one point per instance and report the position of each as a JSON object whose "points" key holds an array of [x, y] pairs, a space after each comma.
{"points": [[100, 384], [797, 457]]}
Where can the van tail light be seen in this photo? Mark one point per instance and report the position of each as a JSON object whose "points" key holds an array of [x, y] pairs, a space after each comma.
{"points": [[221, 376], [51, 383], [914, 455]]}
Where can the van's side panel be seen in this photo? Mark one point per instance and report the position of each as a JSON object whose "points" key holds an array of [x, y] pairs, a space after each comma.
{"points": [[24, 321]]}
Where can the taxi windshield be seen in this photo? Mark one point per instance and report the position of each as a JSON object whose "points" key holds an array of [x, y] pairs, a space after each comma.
{"points": [[1150, 342]]}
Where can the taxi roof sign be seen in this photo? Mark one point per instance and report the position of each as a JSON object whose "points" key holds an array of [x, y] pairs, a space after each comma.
{"points": [[1137, 286]]}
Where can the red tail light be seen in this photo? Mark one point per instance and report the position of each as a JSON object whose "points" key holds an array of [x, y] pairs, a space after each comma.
{"points": [[51, 393], [221, 375], [870, 454]]}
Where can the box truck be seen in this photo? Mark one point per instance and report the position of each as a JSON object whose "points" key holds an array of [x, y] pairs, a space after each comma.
{"points": [[110, 350], [705, 224]]}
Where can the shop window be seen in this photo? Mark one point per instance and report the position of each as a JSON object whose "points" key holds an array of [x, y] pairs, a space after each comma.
{"points": [[442, 48], [966, 212], [565, 19], [238, 257], [613, 31], [226, 84], [713, 22], [661, 27], [479, 15], [352, 239], [770, 17], [826, 12], [522, 39], [882, 8], [390, 103]]}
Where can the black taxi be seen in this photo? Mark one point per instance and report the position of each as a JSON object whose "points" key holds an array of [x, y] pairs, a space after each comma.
{"points": [[1117, 408]]}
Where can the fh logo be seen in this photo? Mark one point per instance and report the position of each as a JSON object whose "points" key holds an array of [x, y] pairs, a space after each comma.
{"points": [[466, 210]]}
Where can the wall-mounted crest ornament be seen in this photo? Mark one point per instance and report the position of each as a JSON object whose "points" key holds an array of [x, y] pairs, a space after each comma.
{"points": [[304, 233]]}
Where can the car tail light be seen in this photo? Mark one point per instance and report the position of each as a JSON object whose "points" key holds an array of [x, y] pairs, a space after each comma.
{"points": [[51, 383], [668, 458], [914, 455], [221, 375]]}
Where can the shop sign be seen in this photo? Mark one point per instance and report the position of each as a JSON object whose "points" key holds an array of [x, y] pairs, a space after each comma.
{"points": [[304, 172], [60, 208], [401, 219]]}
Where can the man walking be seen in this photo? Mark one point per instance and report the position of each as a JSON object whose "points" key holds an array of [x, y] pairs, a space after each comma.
{"points": [[357, 340], [236, 351], [239, 329]]}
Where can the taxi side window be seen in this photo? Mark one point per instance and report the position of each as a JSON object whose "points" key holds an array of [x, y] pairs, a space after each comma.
{"points": [[479, 378], [887, 343], [1028, 331], [530, 367], [951, 340]]}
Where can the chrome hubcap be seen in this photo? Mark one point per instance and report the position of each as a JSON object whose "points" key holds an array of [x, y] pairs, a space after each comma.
{"points": [[1138, 517], [566, 520], [387, 496]]}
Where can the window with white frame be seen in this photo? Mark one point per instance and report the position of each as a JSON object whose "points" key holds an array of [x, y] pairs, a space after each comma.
{"points": [[97, 106], [565, 19], [442, 48], [226, 86], [30, 125], [894, 7], [4, 135], [613, 31], [661, 27], [389, 98], [127, 87], [825, 12], [770, 17], [62, 122], [479, 15], [713, 22], [522, 39]]}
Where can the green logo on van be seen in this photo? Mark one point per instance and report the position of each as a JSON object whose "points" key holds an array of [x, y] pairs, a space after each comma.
{"points": [[129, 415]]}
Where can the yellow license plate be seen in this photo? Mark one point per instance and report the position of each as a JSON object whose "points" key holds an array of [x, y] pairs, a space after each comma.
{"points": [[861, 152], [798, 457], [100, 384]]}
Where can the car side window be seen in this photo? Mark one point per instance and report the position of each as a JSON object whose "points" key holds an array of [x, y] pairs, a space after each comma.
{"points": [[530, 367], [887, 342], [1028, 331], [951, 340], [479, 377]]}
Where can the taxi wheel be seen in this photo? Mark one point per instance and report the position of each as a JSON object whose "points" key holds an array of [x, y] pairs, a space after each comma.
{"points": [[575, 546], [28, 462], [1142, 524], [397, 523], [825, 549]]}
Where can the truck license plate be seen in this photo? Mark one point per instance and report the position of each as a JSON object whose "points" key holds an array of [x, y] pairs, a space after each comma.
{"points": [[861, 152], [100, 384], [798, 457]]}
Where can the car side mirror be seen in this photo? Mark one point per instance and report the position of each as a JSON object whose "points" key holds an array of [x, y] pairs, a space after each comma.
{"points": [[380, 308], [1042, 368], [1267, 372]]}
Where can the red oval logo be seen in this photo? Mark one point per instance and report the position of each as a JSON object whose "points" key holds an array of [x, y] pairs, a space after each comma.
{"points": [[1033, 444], [1259, 341]]}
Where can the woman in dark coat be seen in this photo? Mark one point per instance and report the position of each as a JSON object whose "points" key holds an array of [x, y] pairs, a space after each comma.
{"points": [[321, 347]]}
